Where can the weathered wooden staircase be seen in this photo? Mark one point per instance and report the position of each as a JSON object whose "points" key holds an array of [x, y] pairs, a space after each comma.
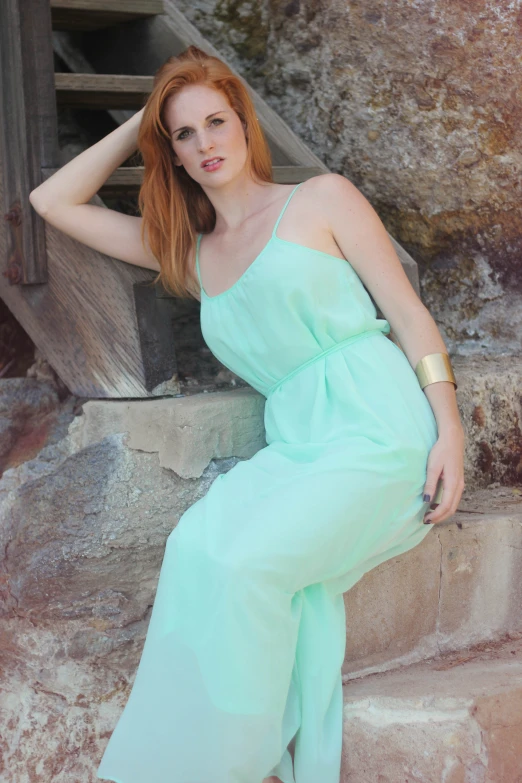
{"points": [[102, 326]]}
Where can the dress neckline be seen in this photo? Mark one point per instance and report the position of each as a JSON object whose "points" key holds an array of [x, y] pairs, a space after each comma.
{"points": [[273, 238]]}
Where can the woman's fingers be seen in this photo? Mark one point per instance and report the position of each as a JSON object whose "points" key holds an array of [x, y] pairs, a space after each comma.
{"points": [[453, 488], [432, 479]]}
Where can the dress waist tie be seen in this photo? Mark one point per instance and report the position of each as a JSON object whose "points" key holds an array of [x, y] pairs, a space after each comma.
{"points": [[336, 347]]}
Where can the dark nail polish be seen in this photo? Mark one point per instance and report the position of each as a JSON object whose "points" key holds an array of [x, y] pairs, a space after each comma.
{"points": [[426, 498], [427, 521]]}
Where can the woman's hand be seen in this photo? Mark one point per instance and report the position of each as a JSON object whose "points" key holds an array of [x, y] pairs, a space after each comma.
{"points": [[445, 461]]}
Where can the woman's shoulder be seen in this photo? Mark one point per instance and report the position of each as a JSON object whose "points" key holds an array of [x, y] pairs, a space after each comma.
{"points": [[325, 184], [336, 200], [322, 190]]}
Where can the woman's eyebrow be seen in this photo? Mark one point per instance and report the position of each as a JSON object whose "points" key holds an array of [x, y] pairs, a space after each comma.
{"points": [[207, 118]]}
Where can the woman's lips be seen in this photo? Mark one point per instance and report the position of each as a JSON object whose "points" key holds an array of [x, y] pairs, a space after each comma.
{"points": [[213, 166]]}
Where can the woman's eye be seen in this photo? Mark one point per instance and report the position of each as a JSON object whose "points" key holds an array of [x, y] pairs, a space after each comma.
{"points": [[216, 119]]}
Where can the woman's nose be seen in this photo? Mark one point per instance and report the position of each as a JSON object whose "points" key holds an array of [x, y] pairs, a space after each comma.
{"points": [[204, 143]]}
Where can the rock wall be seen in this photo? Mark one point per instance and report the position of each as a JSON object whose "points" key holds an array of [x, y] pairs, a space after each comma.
{"points": [[419, 103]]}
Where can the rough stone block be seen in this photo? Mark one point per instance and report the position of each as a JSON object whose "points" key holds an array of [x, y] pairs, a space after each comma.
{"points": [[187, 432], [490, 406], [392, 611], [460, 586], [454, 719], [481, 589]]}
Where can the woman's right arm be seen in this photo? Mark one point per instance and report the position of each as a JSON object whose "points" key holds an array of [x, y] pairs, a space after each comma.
{"points": [[62, 199]]}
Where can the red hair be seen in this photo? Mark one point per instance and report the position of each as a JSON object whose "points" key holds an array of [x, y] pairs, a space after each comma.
{"points": [[174, 206]]}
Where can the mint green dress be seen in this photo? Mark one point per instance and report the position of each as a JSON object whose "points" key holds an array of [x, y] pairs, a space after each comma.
{"points": [[247, 635]]}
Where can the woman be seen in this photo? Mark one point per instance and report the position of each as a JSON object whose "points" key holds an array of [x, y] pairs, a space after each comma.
{"points": [[243, 654]]}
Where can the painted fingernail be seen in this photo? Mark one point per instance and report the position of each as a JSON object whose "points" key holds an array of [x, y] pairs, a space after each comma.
{"points": [[427, 521], [426, 498]]}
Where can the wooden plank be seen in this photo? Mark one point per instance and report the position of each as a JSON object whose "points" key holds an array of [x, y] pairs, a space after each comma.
{"points": [[28, 134], [127, 179], [97, 14], [157, 340], [102, 91]]}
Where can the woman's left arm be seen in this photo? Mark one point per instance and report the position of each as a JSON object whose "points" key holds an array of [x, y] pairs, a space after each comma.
{"points": [[446, 459], [364, 241]]}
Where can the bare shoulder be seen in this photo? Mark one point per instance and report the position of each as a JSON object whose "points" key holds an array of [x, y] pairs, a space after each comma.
{"points": [[341, 203], [311, 187], [327, 192], [331, 184]]}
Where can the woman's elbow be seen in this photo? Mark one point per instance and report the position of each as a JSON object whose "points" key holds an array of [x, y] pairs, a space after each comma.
{"points": [[37, 202]]}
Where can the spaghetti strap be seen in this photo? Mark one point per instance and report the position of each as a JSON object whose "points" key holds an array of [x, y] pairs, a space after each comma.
{"points": [[283, 210], [198, 240]]}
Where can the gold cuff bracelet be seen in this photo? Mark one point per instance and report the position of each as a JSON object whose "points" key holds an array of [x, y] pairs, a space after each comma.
{"points": [[435, 367]]}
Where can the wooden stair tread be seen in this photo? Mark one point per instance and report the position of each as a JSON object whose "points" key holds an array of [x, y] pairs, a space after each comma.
{"points": [[96, 14], [102, 91], [104, 82]]}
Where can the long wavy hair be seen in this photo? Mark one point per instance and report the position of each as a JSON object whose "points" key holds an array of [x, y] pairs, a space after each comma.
{"points": [[174, 207]]}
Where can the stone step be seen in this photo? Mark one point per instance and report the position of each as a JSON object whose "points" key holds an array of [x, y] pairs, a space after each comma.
{"points": [[454, 719], [460, 586]]}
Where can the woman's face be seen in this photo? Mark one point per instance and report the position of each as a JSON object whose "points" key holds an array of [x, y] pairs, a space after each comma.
{"points": [[204, 126]]}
